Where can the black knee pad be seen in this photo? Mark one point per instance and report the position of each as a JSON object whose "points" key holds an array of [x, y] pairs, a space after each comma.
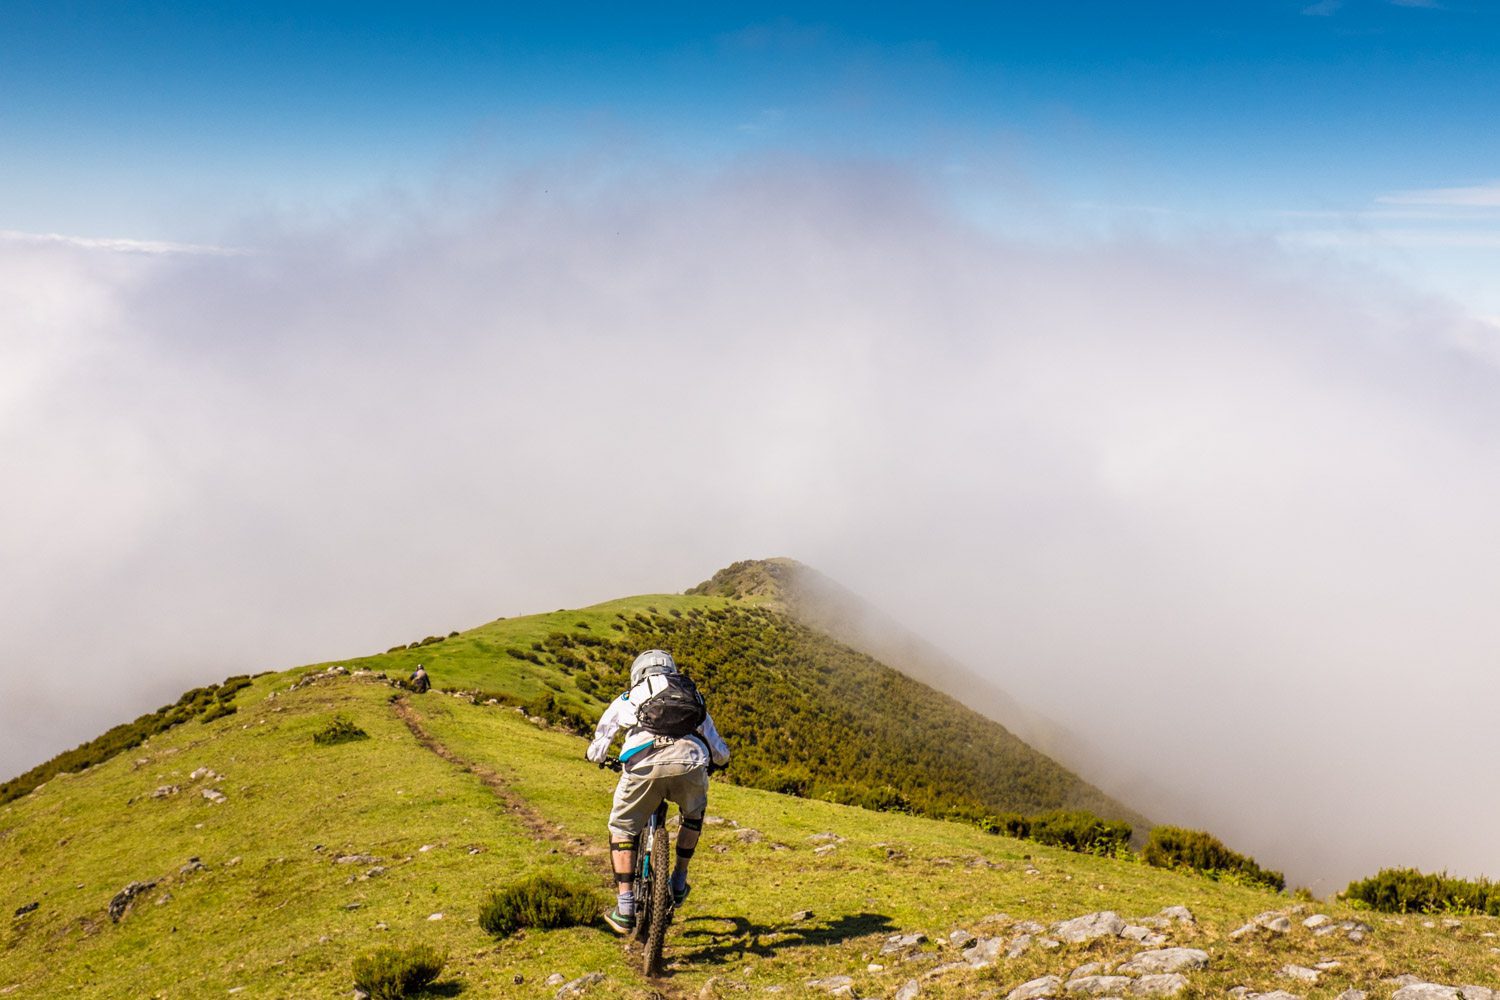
{"points": [[622, 845], [693, 824], [624, 877], [685, 852]]}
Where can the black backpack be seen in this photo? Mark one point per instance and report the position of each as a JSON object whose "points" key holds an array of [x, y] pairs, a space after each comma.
{"points": [[676, 710]]}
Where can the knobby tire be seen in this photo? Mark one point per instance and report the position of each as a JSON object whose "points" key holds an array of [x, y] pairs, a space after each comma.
{"points": [[659, 896]]}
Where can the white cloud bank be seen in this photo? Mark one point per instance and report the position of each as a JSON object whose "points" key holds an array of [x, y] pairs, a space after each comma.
{"points": [[1231, 518]]}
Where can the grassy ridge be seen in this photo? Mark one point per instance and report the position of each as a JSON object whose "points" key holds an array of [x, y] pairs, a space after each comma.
{"points": [[275, 921], [807, 715]]}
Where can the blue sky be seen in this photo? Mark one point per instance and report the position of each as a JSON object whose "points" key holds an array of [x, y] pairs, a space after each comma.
{"points": [[171, 120]]}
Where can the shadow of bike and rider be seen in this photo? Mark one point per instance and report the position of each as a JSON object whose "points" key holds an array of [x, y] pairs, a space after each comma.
{"points": [[714, 938]]}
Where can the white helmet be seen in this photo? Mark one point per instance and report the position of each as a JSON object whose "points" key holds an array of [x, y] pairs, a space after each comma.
{"points": [[650, 663]]}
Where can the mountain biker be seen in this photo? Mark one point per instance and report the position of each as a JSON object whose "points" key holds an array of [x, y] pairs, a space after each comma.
{"points": [[419, 681], [655, 767]]}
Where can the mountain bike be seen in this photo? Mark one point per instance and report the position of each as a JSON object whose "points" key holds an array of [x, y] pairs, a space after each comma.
{"points": [[653, 884]]}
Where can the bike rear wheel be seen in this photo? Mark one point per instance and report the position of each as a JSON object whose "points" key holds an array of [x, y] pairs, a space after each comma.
{"points": [[659, 899]]}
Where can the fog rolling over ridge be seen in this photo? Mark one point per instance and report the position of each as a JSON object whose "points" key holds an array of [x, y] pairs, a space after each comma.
{"points": [[1226, 513]]}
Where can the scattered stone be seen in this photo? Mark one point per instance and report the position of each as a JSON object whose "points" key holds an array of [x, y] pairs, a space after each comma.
{"points": [[1020, 946], [28, 908], [747, 836], [193, 865], [355, 859], [831, 984], [353, 906], [1166, 960], [1477, 993], [826, 838], [1048, 944], [121, 903], [375, 872], [1353, 995], [825, 849], [424, 848], [166, 791], [1317, 920], [1090, 926], [1328, 965], [1179, 914], [577, 986], [1100, 986], [232, 862], [1161, 985], [1037, 989], [203, 773], [944, 969], [1028, 927], [802, 915], [960, 938], [1427, 991], [1088, 969], [164, 899], [213, 795], [983, 952], [1273, 995], [1135, 932], [909, 990], [435, 916], [1301, 972], [902, 944], [556, 979], [1275, 923]]}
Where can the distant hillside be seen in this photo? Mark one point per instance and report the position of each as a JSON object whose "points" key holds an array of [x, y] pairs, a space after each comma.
{"points": [[823, 604]]}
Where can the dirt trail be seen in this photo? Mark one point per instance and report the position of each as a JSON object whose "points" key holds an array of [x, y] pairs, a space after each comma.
{"points": [[518, 807]]}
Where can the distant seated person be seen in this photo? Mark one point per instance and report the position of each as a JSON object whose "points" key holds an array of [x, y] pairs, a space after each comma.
{"points": [[419, 681]]}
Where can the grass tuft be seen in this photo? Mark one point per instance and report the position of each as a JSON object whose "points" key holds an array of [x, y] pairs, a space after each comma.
{"points": [[394, 973], [538, 901], [340, 730]]}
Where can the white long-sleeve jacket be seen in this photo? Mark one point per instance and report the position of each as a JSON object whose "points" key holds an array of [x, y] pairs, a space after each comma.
{"points": [[621, 714]]}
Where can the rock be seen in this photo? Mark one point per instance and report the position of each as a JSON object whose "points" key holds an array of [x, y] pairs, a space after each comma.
{"points": [[1427, 991], [830, 984], [802, 915], [213, 795], [355, 859], [1019, 946], [1165, 960], [1099, 986], [944, 969], [826, 838], [166, 791], [1353, 995], [825, 849], [909, 990], [1328, 965], [1036, 989], [1135, 932], [1317, 920], [360, 994], [424, 848], [1090, 926], [1272, 922], [1159, 985], [1179, 914], [28, 908], [1049, 944], [1478, 993], [1028, 927], [125, 897], [1301, 972], [556, 979], [577, 986], [960, 939], [900, 944], [434, 916], [747, 836], [983, 952], [1273, 995], [193, 865], [1089, 969], [203, 773]]}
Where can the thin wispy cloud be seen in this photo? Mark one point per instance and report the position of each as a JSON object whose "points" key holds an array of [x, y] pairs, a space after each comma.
{"points": [[1473, 196], [121, 245]]}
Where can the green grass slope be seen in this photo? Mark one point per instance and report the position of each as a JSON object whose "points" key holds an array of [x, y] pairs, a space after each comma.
{"points": [[318, 854], [808, 714]]}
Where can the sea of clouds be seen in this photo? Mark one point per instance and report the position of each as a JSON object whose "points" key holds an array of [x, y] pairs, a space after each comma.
{"points": [[1225, 511]]}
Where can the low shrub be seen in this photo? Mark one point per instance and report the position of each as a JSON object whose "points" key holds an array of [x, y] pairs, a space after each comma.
{"points": [[538, 901], [395, 973], [1079, 831], [1176, 847], [217, 711], [1406, 890], [340, 730]]}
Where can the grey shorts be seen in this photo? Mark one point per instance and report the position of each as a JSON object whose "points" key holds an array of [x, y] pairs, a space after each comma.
{"points": [[640, 792]]}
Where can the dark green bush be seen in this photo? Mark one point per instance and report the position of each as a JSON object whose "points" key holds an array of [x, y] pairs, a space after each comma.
{"points": [[395, 973], [538, 901], [1406, 890], [1080, 831], [1175, 847], [217, 711], [340, 730]]}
